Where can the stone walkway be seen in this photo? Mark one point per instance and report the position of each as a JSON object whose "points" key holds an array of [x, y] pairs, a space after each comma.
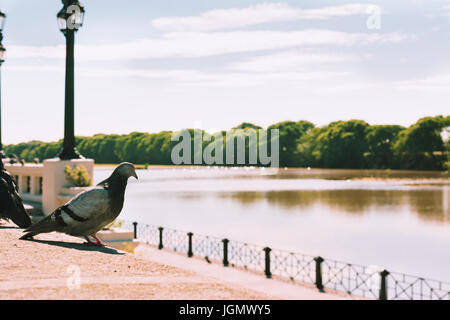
{"points": [[56, 266]]}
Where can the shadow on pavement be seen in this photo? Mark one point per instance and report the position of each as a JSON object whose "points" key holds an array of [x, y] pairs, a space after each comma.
{"points": [[8, 227], [78, 246]]}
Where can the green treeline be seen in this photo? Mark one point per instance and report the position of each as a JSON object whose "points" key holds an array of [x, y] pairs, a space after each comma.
{"points": [[341, 144]]}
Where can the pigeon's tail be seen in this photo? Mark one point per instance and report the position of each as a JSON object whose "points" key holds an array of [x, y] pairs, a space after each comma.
{"points": [[19, 215], [21, 218], [27, 236], [44, 226]]}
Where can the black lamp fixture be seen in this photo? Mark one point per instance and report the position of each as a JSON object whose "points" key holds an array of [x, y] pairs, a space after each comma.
{"points": [[70, 19], [2, 59], [71, 16]]}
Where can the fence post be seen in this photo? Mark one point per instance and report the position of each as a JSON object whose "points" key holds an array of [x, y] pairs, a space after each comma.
{"points": [[267, 264], [190, 253], [319, 283], [160, 245], [135, 229], [225, 252], [383, 285]]}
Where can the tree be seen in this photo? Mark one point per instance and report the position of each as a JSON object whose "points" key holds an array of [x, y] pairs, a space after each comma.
{"points": [[420, 146], [342, 145], [246, 125], [290, 132], [380, 141]]}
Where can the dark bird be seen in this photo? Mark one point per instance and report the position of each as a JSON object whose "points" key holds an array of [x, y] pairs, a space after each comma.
{"points": [[13, 158], [89, 211], [11, 204]]}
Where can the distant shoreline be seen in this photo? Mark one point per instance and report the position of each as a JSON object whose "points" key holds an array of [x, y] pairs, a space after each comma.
{"points": [[140, 166], [427, 177]]}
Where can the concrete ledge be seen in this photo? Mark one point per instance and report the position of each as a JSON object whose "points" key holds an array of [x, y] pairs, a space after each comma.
{"points": [[119, 239], [31, 197], [115, 234]]}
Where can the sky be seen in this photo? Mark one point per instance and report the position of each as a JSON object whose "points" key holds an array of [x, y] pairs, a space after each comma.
{"points": [[173, 64]]}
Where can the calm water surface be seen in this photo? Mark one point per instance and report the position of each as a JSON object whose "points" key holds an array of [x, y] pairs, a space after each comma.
{"points": [[400, 224]]}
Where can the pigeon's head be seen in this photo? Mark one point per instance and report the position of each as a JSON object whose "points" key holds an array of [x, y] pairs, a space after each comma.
{"points": [[126, 170]]}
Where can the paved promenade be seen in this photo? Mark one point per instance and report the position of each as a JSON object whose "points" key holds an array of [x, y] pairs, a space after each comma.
{"points": [[57, 266]]}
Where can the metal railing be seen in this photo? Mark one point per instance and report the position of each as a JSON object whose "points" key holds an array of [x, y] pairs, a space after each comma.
{"points": [[363, 281]]}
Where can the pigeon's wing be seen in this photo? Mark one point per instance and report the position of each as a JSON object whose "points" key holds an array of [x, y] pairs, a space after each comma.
{"points": [[87, 204], [11, 204], [5, 197], [9, 180], [77, 211]]}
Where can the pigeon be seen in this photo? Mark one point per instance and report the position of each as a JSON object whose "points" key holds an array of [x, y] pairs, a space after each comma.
{"points": [[13, 158], [11, 204], [90, 211]]}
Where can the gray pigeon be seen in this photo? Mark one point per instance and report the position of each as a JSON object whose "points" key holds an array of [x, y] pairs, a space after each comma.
{"points": [[89, 211], [11, 205]]}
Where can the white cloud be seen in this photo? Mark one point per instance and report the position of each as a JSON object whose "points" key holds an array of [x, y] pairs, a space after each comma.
{"points": [[346, 87], [188, 77], [48, 52], [200, 44], [34, 68], [446, 8], [257, 14], [439, 83], [289, 60], [244, 79], [340, 11]]}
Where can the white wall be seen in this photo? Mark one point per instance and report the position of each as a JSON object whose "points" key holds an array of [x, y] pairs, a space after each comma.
{"points": [[53, 181]]}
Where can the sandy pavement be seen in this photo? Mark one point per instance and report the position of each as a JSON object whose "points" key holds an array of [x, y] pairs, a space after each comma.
{"points": [[49, 267], [57, 266]]}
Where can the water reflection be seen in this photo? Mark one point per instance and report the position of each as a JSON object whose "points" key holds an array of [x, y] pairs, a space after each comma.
{"points": [[351, 215], [343, 174], [427, 204]]}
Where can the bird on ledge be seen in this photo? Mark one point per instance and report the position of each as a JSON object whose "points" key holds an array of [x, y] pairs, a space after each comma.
{"points": [[11, 204], [90, 211]]}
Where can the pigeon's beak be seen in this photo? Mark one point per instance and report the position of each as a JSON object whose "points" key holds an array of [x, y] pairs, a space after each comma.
{"points": [[135, 175]]}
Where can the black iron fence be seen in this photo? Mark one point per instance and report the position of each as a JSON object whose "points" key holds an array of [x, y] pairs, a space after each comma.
{"points": [[364, 281]]}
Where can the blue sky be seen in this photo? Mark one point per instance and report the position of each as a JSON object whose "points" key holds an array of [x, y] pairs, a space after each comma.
{"points": [[168, 65]]}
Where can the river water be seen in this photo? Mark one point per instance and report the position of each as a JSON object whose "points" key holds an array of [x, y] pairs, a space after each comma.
{"points": [[401, 223]]}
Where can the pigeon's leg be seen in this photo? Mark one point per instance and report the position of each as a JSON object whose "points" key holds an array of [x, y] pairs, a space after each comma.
{"points": [[98, 241], [89, 241]]}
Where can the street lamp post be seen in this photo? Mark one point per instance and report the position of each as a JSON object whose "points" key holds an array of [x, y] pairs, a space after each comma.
{"points": [[70, 19], [2, 56]]}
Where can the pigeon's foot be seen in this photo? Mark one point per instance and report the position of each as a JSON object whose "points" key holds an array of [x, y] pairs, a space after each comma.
{"points": [[97, 241]]}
